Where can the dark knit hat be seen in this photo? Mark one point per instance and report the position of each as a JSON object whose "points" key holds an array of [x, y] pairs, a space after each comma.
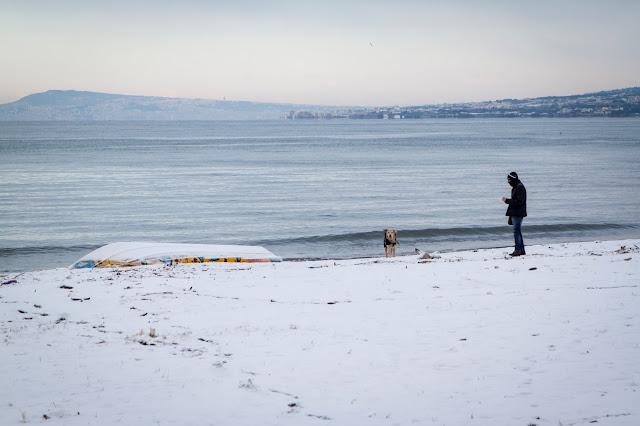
{"points": [[513, 175]]}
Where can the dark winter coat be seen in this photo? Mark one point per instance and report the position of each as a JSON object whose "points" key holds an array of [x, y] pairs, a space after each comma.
{"points": [[518, 201]]}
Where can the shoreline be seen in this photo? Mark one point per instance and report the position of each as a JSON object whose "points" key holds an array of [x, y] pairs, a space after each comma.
{"points": [[464, 337], [552, 241]]}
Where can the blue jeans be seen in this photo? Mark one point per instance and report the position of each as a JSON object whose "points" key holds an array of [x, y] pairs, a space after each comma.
{"points": [[517, 233]]}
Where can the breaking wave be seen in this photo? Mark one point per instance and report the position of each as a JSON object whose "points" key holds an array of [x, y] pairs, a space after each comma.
{"points": [[455, 233]]}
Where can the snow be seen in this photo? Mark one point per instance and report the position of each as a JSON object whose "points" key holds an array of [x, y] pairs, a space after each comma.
{"points": [[551, 338]]}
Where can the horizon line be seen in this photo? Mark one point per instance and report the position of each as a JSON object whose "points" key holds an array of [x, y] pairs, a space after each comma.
{"points": [[320, 105]]}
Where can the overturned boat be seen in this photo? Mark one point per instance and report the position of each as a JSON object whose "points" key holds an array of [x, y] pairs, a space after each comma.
{"points": [[138, 253]]}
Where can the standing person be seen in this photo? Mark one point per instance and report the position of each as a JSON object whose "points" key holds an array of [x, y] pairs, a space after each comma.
{"points": [[516, 211]]}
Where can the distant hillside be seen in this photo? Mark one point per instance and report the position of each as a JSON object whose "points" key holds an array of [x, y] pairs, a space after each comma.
{"points": [[76, 105], [612, 103]]}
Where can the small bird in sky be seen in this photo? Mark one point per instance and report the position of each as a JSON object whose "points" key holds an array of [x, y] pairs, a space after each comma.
{"points": [[371, 44]]}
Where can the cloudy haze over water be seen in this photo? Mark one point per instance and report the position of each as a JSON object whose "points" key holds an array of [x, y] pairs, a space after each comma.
{"points": [[320, 52]]}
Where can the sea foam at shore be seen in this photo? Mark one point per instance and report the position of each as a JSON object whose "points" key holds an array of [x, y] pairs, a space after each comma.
{"points": [[455, 338]]}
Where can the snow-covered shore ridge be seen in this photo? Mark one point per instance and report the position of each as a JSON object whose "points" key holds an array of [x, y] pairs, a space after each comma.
{"points": [[551, 338]]}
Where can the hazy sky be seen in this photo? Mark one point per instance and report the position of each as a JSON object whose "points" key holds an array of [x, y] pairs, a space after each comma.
{"points": [[362, 52]]}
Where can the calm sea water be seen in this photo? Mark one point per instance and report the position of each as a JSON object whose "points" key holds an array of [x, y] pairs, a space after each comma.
{"points": [[311, 189]]}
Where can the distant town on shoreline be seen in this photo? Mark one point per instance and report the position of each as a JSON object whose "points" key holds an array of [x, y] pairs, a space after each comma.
{"points": [[614, 103], [71, 105]]}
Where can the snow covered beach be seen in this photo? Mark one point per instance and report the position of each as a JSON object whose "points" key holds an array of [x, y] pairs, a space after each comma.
{"points": [[551, 338]]}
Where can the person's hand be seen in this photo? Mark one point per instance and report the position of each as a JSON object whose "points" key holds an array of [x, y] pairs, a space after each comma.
{"points": [[504, 199]]}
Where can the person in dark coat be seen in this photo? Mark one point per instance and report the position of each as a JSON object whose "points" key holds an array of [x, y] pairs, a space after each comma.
{"points": [[516, 211]]}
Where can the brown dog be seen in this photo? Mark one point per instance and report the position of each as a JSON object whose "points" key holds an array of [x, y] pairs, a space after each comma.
{"points": [[390, 242]]}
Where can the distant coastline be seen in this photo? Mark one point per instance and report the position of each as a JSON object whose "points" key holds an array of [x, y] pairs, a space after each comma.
{"points": [[71, 105], [613, 103]]}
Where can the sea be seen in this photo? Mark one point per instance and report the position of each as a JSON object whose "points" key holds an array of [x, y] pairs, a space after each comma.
{"points": [[311, 189]]}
